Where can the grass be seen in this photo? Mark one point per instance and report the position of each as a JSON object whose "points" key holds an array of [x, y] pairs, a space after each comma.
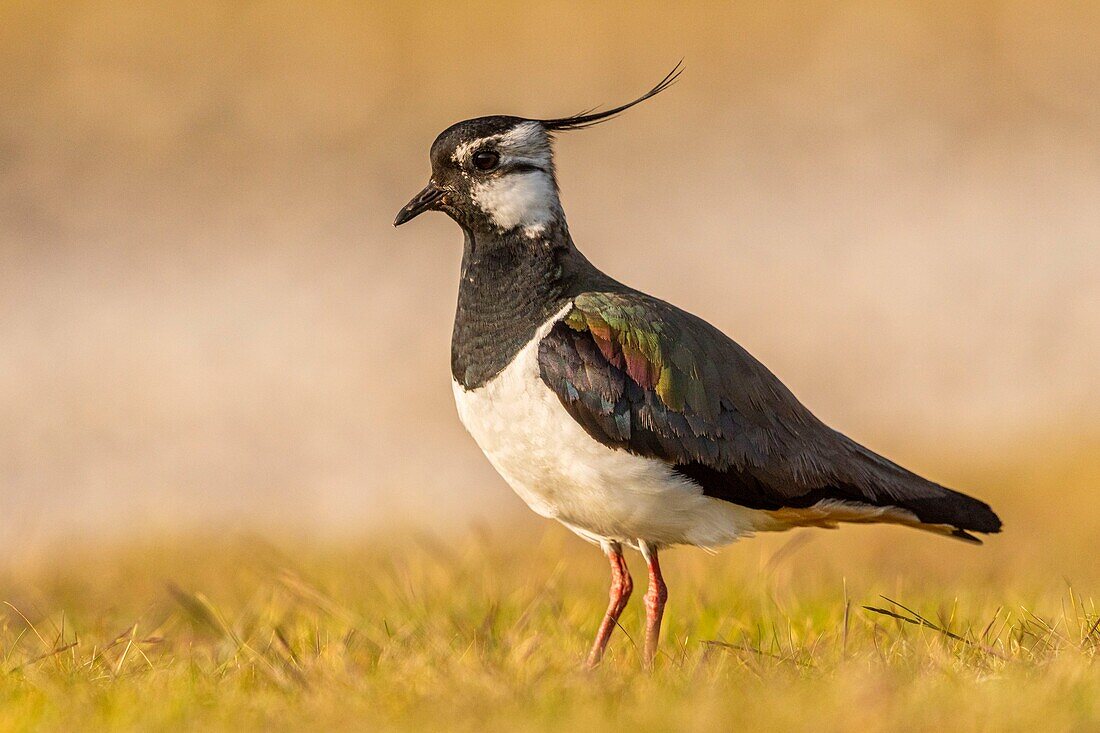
{"points": [[869, 629]]}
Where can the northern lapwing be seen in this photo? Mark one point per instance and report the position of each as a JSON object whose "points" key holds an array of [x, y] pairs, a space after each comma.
{"points": [[628, 420]]}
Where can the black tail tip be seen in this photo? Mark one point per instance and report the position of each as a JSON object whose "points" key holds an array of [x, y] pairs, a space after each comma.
{"points": [[984, 520]]}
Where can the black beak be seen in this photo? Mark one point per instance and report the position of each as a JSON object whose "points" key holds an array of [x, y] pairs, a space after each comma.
{"points": [[423, 201]]}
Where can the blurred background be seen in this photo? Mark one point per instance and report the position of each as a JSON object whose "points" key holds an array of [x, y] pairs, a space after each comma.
{"points": [[207, 320]]}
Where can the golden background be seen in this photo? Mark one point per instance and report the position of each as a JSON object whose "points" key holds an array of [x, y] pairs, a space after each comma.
{"points": [[207, 320]]}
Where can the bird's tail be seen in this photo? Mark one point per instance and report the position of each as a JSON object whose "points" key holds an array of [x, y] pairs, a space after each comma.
{"points": [[934, 507]]}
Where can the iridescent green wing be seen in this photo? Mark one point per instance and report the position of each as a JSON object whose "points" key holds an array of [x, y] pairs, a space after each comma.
{"points": [[642, 375]]}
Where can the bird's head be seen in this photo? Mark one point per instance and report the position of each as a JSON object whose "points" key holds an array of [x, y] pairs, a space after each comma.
{"points": [[497, 173]]}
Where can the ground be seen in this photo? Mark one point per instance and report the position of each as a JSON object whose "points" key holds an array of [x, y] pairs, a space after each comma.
{"points": [[486, 629]]}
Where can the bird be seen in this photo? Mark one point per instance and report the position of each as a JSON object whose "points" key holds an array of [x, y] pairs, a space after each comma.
{"points": [[630, 421]]}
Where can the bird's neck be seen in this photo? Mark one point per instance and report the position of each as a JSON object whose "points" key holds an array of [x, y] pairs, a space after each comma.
{"points": [[511, 284]]}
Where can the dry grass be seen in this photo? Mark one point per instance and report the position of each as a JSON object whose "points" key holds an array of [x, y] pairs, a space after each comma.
{"points": [[852, 630]]}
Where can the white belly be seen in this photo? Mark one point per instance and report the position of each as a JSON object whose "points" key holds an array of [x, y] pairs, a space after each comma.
{"points": [[563, 473]]}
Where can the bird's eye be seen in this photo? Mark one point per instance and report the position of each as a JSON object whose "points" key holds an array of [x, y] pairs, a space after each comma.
{"points": [[485, 160]]}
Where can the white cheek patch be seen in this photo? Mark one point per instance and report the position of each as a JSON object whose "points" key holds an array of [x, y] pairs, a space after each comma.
{"points": [[528, 200]]}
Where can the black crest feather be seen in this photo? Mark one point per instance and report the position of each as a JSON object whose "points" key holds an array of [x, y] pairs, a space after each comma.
{"points": [[588, 118]]}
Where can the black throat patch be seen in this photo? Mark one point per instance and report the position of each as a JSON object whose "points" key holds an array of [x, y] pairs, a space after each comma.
{"points": [[512, 284]]}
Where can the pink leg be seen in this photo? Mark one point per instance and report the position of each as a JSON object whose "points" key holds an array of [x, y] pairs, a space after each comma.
{"points": [[655, 599], [621, 587]]}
